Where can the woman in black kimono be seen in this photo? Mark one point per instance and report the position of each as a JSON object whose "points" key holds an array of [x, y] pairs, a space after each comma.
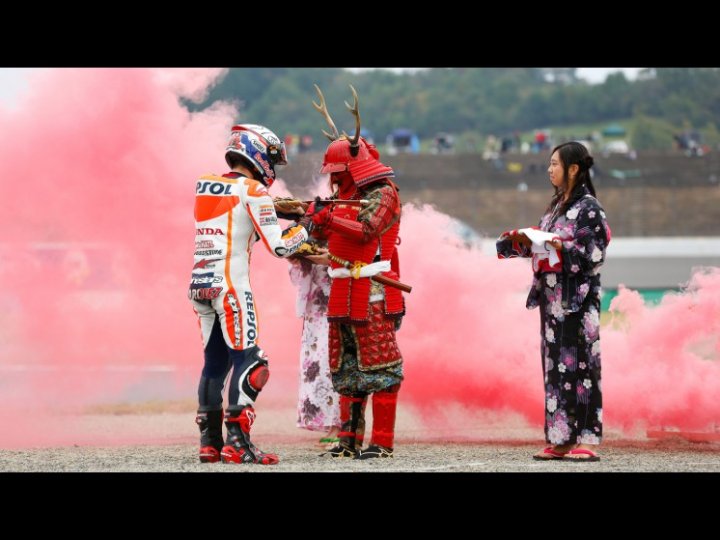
{"points": [[566, 288]]}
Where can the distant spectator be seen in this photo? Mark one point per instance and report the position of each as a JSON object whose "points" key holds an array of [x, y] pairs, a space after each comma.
{"points": [[305, 143]]}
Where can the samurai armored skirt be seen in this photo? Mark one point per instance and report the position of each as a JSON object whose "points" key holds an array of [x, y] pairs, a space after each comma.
{"points": [[365, 357]]}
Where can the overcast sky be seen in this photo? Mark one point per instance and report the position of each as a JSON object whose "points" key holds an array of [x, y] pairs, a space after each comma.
{"points": [[597, 75], [14, 80], [592, 75]]}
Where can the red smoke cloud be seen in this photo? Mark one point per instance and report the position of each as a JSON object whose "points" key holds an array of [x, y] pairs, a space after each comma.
{"points": [[661, 364], [98, 171]]}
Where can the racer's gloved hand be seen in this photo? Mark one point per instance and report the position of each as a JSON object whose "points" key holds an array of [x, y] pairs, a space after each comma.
{"points": [[306, 220]]}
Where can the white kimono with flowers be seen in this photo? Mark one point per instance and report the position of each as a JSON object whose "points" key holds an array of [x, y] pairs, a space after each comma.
{"points": [[318, 403]]}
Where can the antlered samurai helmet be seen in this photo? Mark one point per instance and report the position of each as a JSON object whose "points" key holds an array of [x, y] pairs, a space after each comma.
{"points": [[352, 154]]}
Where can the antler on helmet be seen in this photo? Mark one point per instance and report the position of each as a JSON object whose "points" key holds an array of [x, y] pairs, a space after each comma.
{"points": [[322, 109], [355, 111]]}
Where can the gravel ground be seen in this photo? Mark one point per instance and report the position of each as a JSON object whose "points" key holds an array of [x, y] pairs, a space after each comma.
{"points": [[410, 457], [119, 443]]}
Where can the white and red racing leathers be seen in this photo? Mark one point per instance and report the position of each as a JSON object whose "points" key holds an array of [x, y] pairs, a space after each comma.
{"points": [[232, 212]]}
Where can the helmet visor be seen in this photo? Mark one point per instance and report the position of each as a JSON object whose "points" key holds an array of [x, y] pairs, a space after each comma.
{"points": [[333, 167], [277, 154]]}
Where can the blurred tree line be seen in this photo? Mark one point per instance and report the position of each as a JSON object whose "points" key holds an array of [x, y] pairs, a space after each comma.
{"points": [[480, 100]]}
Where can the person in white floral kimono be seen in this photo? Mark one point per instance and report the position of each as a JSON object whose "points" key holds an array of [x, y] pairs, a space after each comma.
{"points": [[568, 250], [318, 403]]}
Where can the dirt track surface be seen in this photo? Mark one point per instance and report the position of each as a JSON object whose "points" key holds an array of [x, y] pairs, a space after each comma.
{"points": [[166, 442], [413, 457]]}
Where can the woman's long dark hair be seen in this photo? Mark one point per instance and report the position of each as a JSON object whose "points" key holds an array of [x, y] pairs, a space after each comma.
{"points": [[573, 153]]}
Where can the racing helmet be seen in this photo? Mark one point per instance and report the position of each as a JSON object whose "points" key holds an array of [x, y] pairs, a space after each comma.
{"points": [[260, 147]]}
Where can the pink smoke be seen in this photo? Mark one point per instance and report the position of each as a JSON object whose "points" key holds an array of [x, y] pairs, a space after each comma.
{"points": [[661, 364], [467, 336], [99, 169]]}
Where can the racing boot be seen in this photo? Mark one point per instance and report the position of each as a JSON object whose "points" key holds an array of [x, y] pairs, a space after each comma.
{"points": [[238, 446], [211, 438]]}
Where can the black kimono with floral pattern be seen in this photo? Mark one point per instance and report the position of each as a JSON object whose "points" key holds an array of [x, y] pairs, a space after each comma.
{"points": [[569, 303]]}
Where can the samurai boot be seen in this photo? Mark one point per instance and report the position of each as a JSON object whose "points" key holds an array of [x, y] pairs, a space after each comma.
{"points": [[383, 433], [211, 438], [351, 408], [238, 446], [375, 451]]}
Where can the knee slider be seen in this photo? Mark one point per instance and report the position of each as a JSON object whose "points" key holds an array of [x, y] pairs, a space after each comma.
{"points": [[252, 376], [258, 376]]}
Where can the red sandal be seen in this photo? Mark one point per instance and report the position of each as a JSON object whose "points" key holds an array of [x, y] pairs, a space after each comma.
{"points": [[592, 456], [552, 454]]}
